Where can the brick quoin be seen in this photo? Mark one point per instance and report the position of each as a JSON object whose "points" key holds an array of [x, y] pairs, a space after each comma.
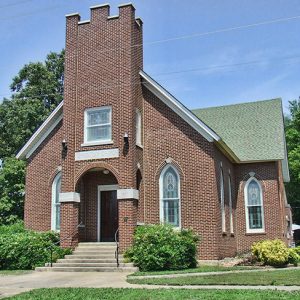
{"points": [[102, 63]]}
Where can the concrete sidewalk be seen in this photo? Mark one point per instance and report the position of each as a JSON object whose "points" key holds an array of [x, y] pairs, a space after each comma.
{"points": [[14, 284]]}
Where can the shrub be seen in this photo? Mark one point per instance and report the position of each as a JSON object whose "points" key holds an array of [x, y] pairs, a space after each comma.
{"points": [[294, 256], [271, 252], [26, 249], [160, 247]]}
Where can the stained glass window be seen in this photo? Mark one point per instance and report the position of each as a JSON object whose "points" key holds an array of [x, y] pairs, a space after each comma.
{"points": [[170, 196], [254, 205], [56, 189]]}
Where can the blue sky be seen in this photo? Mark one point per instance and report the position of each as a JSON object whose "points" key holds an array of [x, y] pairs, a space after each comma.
{"points": [[29, 29]]}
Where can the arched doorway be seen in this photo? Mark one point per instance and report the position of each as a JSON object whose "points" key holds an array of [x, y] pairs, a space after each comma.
{"points": [[98, 212]]}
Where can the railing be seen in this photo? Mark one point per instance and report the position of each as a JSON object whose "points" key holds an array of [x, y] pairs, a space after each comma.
{"points": [[58, 242], [117, 249]]}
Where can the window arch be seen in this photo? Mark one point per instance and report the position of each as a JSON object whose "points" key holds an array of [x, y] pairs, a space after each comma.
{"points": [[169, 187], [254, 206], [55, 207]]}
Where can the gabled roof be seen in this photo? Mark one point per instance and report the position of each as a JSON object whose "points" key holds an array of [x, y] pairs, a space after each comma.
{"points": [[42, 132], [254, 131]]}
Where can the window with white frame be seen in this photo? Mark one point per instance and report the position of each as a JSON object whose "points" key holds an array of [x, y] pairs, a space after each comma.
{"points": [[230, 203], [222, 200], [97, 125], [55, 210], [254, 206], [170, 196], [138, 127]]}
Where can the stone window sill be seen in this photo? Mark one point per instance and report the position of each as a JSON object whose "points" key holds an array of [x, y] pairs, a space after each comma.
{"points": [[89, 144]]}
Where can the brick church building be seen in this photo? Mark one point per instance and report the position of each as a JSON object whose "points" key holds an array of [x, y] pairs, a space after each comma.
{"points": [[120, 151]]}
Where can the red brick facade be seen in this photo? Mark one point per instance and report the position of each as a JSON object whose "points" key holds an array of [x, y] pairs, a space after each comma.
{"points": [[103, 60]]}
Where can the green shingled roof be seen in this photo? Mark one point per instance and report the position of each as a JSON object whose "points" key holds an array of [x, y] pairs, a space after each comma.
{"points": [[253, 131]]}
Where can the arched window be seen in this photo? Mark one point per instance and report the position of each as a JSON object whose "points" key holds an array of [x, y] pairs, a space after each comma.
{"points": [[170, 196], [55, 209], [222, 200], [230, 203], [254, 206]]}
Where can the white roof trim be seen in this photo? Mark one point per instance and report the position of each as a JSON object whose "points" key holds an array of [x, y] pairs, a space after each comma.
{"points": [[42, 132], [179, 108]]}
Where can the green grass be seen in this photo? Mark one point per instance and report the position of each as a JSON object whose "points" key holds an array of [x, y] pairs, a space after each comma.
{"points": [[14, 272], [200, 269], [284, 277], [159, 294]]}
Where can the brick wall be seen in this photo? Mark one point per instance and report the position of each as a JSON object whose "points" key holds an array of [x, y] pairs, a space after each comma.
{"points": [[167, 135], [267, 174], [40, 172]]}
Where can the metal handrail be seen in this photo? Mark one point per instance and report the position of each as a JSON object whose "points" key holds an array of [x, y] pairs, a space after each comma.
{"points": [[58, 242], [117, 249]]}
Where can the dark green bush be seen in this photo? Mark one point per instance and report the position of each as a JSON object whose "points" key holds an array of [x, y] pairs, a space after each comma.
{"points": [[161, 247], [26, 249]]}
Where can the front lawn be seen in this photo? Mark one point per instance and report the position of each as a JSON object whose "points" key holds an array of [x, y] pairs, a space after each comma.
{"points": [[278, 277], [145, 294], [200, 269]]}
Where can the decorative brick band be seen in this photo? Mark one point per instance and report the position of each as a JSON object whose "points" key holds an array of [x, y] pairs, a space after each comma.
{"points": [[69, 197], [128, 194]]}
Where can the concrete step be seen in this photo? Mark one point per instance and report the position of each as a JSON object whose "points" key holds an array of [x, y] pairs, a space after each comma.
{"points": [[93, 248], [114, 264], [79, 252], [97, 244], [86, 269], [89, 261], [90, 256]]}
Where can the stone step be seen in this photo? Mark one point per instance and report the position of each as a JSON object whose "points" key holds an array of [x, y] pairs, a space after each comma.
{"points": [[86, 269], [93, 265], [88, 261]]}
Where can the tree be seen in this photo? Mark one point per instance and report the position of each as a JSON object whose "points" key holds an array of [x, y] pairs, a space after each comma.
{"points": [[293, 144], [36, 91], [12, 184]]}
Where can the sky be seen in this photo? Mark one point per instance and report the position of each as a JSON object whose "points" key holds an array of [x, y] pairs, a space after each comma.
{"points": [[196, 59]]}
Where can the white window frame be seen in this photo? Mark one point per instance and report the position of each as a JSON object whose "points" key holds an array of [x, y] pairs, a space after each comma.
{"points": [[222, 194], [138, 128], [54, 204], [248, 229], [96, 142], [230, 203], [161, 205]]}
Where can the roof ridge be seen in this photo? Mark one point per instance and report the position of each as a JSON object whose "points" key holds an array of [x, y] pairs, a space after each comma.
{"points": [[279, 99]]}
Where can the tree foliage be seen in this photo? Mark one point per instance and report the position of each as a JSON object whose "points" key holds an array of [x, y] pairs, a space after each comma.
{"points": [[292, 124], [36, 90], [12, 184]]}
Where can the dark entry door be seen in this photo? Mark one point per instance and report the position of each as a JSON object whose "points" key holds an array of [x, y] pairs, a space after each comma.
{"points": [[109, 216]]}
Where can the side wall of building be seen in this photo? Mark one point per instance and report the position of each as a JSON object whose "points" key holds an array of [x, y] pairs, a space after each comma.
{"points": [[169, 139], [41, 169]]}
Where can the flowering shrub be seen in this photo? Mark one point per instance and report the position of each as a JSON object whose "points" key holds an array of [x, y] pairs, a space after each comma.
{"points": [[274, 253], [160, 247]]}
